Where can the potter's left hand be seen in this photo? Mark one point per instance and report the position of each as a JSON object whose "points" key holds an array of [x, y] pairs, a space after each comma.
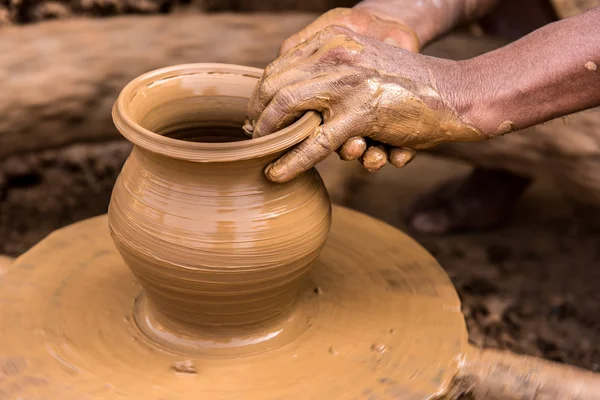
{"points": [[363, 88]]}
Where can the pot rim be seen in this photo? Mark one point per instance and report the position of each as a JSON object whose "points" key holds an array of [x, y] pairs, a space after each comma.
{"points": [[198, 151]]}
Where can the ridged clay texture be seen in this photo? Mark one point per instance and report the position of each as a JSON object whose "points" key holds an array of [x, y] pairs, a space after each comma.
{"points": [[216, 246]]}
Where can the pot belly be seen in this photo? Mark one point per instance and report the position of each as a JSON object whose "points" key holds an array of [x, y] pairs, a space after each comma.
{"points": [[218, 255]]}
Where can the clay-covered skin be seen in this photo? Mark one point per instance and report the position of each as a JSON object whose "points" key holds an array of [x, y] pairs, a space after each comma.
{"points": [[363, 21], [212, 241], [362, 87], [387, 28], [406, 25], [366, 88]]}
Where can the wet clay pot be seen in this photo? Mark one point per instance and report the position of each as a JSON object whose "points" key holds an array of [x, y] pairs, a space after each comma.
{"points": [[216, 246]]}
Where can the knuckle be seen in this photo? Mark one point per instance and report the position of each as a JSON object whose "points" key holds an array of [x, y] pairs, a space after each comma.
{"points": [[285, 99], [268, 88], [302, 157], [332, 30], [339, 11], [269, 70], [340, 14], [286, 46], [326, 140], [337, 55]]}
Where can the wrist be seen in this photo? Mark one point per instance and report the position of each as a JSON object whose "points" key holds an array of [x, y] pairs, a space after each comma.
{"points": [[484, 97]]}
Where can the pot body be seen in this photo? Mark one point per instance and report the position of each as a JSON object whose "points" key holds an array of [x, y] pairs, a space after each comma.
{"points": [[217, 244], [213, 243]]}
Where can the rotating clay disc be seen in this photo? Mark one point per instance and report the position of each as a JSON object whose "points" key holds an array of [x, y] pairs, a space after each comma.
{"points": [[379, 319]]}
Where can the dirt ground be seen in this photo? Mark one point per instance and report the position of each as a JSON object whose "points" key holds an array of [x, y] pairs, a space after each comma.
{"points": [[531, 287]]}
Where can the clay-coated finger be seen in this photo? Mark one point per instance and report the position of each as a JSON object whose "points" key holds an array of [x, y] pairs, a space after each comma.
{"points": [[248, 127], [295, 53], [374, 158], [337, 16], [353, 148], [401, 156], [298, 66], [292, 101], [324, 141], [378, 26], [270, 85]]}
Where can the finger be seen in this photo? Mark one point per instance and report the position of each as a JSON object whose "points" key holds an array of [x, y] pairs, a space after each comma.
{"points": [[324, 141], [374, 158], [297, 66], [298, 52], [319, 94], [390, 32], [248, 127], [353, 148], [401, 156], [339, 16], [272, 83]]}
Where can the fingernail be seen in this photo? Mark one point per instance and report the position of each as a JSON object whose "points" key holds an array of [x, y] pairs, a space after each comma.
{"points": [[374, 159], [400, 157], [248, 128]]}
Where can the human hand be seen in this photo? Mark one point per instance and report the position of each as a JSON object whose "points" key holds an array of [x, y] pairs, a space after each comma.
{"points": [[374, 24], [364, 89], [362, 21]]}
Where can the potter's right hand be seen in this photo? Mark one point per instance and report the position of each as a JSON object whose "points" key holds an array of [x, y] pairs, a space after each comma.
{"points": [[400, 100]]}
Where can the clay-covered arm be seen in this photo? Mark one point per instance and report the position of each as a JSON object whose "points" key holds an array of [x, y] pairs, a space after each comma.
{"points": [[552, 72], [380, 103], [429, 19]]}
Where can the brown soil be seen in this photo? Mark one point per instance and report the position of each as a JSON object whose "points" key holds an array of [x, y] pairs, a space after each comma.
{"points": [[530, 287]]}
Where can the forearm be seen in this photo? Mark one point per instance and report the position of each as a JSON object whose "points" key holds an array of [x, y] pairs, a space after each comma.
{"points": [[552, 72], [428, 18]]}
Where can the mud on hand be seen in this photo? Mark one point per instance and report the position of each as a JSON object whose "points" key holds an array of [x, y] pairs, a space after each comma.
{"points": [[379, 103]]}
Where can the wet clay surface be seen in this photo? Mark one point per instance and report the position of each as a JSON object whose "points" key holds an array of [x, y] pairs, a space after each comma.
{"points": [[386, 322], [219, 249]]}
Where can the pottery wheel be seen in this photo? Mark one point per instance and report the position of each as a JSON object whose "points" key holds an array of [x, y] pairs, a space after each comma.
{"points": [[379, 320]]}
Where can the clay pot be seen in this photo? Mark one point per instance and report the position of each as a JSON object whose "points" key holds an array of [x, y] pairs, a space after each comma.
{"points": [[213, 243]]}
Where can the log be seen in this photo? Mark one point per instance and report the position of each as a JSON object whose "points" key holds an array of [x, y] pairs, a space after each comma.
{"points": [[60, 78]]}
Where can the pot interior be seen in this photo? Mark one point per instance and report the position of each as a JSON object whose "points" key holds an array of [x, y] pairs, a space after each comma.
{"points": [[190, 107], [209, 134]]}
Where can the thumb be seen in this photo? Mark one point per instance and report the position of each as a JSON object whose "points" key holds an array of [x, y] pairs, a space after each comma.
{"points": [[325, 140], [393, 33]]}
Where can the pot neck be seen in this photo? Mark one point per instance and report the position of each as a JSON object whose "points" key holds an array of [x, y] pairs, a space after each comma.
{"points": [[164, 102]]}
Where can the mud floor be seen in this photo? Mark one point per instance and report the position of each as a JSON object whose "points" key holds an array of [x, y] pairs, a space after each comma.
{"points": [[531, 287]]}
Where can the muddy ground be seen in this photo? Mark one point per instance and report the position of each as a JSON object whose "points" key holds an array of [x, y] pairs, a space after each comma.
{"points": [[531, 287]]}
